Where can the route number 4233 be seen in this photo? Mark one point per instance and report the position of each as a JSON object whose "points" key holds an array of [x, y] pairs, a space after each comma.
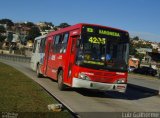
{"points": [[97, 40]]}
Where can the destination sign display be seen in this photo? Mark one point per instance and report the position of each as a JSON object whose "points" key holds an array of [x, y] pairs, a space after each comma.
{"points": [[109, 33], [104, 32], [97, 40], [101, 35]]}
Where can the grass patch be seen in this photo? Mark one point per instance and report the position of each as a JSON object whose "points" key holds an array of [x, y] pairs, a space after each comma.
{"points": [[18, 93]]}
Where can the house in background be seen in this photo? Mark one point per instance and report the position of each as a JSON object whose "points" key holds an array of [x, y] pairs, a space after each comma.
{"points": [[152, 59], [134, 62], [143, 50]]}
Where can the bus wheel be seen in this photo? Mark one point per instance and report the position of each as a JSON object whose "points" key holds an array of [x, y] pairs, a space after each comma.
{"points": [[38, 71], [61, 86]]}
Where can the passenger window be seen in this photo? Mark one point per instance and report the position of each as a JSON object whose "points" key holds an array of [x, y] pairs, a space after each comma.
{"points": [[60, 43], [65, 38], [57, 43], [64, 43], [42, 45], [35, 45], [57, 39]]}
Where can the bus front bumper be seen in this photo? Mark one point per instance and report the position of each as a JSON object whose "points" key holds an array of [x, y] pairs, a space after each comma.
{"points": [[80, 83]]}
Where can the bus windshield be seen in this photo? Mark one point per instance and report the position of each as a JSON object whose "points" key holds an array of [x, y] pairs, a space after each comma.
{"points": [[102, 48]]}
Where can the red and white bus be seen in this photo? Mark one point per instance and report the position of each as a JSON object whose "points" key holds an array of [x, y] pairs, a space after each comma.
{"points": [[87, 56]]}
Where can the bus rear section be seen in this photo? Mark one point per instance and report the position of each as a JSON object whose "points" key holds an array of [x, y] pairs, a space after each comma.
{"points": [[95, 57], [38, 53]]}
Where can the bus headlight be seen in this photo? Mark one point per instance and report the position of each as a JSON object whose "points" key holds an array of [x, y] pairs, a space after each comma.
{"points": [[120, 81], [83, 76]]}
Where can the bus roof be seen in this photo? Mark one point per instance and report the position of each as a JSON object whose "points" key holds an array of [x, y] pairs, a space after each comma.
{"points": [[79, 25], [40, 37]]}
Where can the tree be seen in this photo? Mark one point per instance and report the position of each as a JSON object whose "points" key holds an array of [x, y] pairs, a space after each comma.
{"points": [[7, 21], [29, 24], [55, 28], [136, 38], [9, 36], [49, 24], [2, 38], [45, 28], [132, 49], [155, 50], [33, 32], [2, 29], [63, 25]]}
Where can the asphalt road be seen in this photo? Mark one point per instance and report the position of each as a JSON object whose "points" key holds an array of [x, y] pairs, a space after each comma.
{"points": [[88, 103], [141, 80]]}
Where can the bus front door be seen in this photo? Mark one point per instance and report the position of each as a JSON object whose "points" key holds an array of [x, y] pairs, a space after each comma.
{"points": [[71, 55], [46, 57]]}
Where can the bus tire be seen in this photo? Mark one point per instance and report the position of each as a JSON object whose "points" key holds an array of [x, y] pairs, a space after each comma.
{"points": [[38, 71], [61, 85]]}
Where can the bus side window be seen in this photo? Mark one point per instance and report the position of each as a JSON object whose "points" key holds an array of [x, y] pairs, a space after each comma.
{"points": [[35, 45], [42, 45], [64, 43], [57, 43]]}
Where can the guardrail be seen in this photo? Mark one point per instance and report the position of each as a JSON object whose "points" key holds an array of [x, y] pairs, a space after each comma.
{"points": [[18, 58]]}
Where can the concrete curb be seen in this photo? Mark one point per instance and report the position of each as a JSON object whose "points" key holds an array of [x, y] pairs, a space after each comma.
{"points": [[75, 115]]}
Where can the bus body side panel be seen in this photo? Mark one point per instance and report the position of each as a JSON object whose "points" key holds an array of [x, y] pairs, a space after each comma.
{"points": [[50, 61], [52, 64], [35, 56]]}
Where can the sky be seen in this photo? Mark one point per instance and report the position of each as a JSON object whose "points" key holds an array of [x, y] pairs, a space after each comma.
{"points": [[139, 17]]}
